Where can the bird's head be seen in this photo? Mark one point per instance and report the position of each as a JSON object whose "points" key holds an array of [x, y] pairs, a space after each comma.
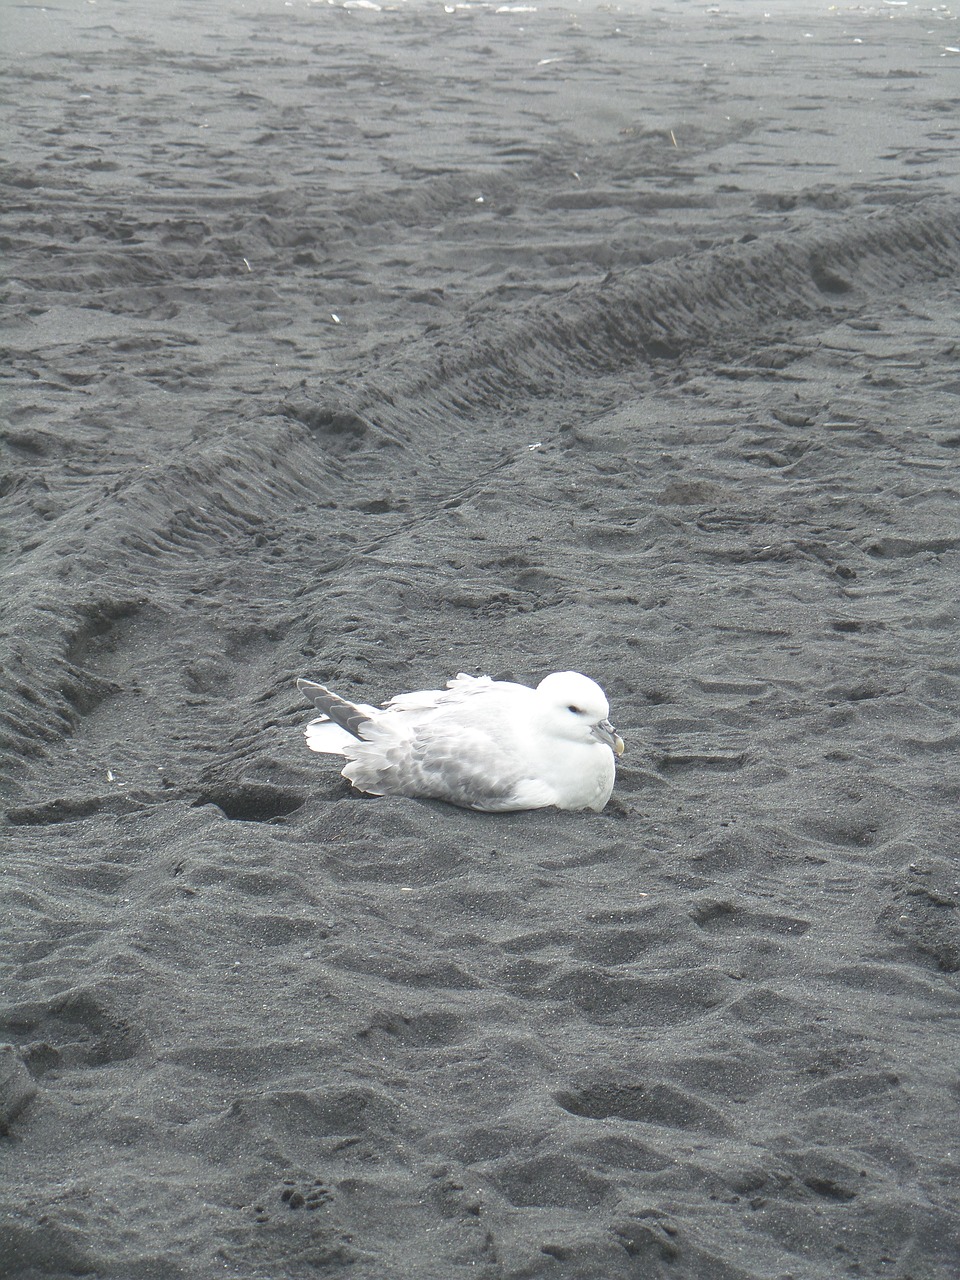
{"points": [[576, 708]]}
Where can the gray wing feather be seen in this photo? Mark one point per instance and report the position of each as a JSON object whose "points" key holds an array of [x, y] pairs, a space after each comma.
{"points": [[467, 769], [341, 712]]}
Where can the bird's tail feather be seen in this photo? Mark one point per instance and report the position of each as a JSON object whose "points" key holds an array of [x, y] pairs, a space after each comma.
{"points": [[328, 738]]}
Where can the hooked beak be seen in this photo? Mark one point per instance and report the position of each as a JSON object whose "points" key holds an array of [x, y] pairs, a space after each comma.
{"points": [[606, 733]]}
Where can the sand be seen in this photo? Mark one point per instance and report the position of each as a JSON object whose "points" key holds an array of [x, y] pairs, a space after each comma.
{"points": [[374, 345]]}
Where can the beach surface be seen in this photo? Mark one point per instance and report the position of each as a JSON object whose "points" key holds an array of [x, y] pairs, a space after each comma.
{"points": [[375, 344]]}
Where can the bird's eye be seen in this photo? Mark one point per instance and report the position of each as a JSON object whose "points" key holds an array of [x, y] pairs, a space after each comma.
{"points": [[576, 710]]}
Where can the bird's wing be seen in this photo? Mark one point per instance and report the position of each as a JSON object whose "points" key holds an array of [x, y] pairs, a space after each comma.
{"points": [[456, 692], [462, 764], [340, 723]]}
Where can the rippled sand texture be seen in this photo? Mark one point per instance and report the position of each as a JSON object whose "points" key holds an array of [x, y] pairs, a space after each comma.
{"points": [[376, 345]]}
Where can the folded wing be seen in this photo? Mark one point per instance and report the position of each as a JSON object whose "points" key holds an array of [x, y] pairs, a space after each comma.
{"points": [[341, 722]]}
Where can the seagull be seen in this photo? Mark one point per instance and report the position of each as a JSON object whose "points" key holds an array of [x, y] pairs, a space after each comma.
{"points": [[479, 743]]}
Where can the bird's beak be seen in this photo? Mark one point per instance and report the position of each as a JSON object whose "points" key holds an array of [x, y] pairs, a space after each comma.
{"points": [[605, 732]]}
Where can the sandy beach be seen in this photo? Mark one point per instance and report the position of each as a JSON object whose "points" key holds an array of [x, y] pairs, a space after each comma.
{"points": [[377, 343]]}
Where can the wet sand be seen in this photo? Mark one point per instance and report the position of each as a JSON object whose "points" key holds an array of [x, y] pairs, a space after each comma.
{"points": [[374, 345]]}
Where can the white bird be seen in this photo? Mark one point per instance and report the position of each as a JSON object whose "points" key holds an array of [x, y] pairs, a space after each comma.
{"points": [[480, 743]]}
